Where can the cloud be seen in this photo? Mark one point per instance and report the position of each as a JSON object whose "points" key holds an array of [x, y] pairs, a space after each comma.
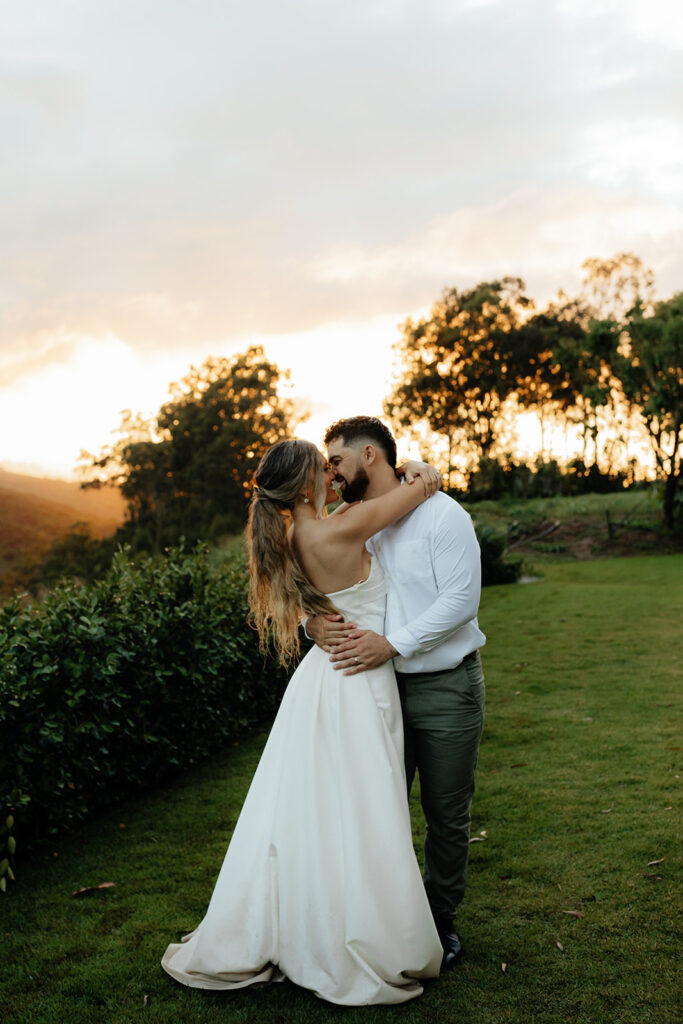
{"points": [[645, 153], [185, 176], [16, 364], [658, 21], [540, 237]]}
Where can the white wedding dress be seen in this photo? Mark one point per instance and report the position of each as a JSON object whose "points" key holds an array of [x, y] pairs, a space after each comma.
{"points": [[320, 883]]}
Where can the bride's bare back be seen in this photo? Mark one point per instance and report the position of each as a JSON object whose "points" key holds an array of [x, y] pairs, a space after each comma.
{"points": [[331, 562], [332, 551]]}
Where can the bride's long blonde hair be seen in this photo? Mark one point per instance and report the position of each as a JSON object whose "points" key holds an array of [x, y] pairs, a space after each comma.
{"points": [[279, 592]]}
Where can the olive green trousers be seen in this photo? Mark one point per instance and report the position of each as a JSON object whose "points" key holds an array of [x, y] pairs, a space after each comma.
{"points": [[443, 717]]}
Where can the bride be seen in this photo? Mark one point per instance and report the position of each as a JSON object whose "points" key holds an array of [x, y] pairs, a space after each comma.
{"points": [[320, 883]]}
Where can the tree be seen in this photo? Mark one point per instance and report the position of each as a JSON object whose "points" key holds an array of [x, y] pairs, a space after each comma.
{"points": [[188, 472], [612, 286], [585, 358], [544, 374], [650, 369], [572, 373], [458, 366]]}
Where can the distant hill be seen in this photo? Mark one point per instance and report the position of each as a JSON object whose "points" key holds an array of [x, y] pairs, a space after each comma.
{"points": [[37, 511]]}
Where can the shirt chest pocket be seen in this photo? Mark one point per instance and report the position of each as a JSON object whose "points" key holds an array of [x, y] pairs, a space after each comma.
{"points": [[410, 560]]}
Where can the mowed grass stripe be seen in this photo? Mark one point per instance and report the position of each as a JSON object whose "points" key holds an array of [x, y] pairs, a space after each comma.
{"points": [[576, 796]]}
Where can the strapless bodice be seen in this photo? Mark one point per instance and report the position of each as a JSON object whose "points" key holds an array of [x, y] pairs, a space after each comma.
{"points": [[364, 602]]}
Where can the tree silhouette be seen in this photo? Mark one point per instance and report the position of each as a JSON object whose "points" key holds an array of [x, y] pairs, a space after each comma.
{"points": [[459, 365], [650, 369], [544, 379], [188, 472]]}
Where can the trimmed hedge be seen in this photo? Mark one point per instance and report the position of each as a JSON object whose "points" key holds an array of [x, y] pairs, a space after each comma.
{"points": [[110, 687]]}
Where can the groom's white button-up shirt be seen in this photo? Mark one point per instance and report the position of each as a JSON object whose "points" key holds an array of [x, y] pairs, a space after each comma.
{"points": [[431, 564]]}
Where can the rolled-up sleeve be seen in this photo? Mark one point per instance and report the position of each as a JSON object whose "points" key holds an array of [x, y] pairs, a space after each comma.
{"points": [[457, 569]]}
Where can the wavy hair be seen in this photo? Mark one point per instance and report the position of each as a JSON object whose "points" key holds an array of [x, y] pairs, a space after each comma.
{"points": [[279, 591]]}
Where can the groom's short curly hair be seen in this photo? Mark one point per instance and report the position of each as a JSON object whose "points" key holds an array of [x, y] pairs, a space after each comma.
{"points": [[364, 428]]}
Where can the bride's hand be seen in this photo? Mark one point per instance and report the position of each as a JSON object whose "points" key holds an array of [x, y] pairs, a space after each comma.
{"points": [[328, 631], [430, 476]]}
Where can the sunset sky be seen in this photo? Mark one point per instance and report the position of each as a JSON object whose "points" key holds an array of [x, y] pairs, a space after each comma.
{"points": [[182, 180]]}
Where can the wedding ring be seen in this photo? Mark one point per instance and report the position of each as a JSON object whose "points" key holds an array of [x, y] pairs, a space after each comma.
{"points": [[357, 659]]}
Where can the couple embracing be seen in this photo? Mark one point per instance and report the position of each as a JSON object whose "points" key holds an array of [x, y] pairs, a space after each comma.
{"points": [[320, 883]]}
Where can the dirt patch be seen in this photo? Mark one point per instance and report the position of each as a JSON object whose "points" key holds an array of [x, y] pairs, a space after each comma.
{"points": [[584, 540]]}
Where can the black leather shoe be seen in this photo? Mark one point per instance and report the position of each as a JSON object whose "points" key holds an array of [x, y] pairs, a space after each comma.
{"points": [[452, 947]]}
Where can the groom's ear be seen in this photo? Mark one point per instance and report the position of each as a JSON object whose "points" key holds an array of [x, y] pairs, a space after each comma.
{"points": [[369, 454]]}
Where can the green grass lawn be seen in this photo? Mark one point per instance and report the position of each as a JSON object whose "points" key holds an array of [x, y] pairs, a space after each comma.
{"points": [[576, 795]]}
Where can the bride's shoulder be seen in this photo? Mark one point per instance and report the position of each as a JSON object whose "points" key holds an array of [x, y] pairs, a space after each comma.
{"points": [[318, 532]]}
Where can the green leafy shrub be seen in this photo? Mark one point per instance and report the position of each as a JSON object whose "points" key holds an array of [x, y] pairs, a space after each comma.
{"points": [[108, 688], [78, 555], [7, 849], [495, 567]]}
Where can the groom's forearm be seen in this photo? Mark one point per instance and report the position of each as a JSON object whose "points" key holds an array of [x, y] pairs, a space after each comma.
{"points": [[440, 621]]}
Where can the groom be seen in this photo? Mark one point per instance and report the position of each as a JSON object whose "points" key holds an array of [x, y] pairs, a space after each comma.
{"points": [[431, 564]]}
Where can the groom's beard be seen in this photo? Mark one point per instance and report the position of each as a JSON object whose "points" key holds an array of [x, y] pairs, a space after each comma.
{"points": [[354, 490]]}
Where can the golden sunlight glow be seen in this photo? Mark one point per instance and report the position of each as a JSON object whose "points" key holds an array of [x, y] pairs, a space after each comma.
{"points": [[49, 416], [336, 370]]}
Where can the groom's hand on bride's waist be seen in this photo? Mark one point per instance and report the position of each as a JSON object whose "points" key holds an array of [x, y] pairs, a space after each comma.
{"points": [[362, 650], [328, 631]]}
